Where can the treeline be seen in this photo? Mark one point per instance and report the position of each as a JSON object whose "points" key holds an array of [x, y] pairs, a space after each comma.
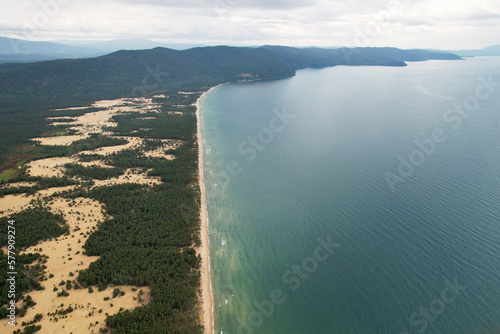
{"points": [[173, 277], [162, 126], [71, 112], [178, 99], [30, 227], [152, 144], [41, 184], [18, 126], [92, 172], [27, 278], [184, 109], [37, 151], [94, 141]]}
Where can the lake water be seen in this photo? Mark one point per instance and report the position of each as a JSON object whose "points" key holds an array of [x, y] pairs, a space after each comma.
{"points": [[356, 200]]}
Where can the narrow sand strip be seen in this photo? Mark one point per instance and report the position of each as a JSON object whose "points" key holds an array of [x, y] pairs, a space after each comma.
{"points": [[204, 250]]}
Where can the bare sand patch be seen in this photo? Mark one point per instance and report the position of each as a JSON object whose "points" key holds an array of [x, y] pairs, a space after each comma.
{"points": [[59, 140], [133, 142], [49, 167], [97, 122], [131, 176], [90, 309], [97, 163], [108, 103], [94, 122], [189, 93], [159, 153], [168, 144], [14, 203], [73, 108], [54, 167], [65, 124]]}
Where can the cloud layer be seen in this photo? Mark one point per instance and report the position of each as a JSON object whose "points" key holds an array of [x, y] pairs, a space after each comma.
{"points": [[402, 23]]}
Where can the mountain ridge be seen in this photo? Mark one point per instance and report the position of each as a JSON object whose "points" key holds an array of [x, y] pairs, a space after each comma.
{"points": [[23, 51], [489, 51]]}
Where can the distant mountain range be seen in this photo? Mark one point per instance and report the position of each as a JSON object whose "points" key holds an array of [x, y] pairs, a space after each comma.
{"points": [[23, 51], [493, 50]]}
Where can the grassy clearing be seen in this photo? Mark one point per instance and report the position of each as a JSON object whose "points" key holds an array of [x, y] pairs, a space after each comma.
{"points": [[21, 163], [55, 133], [8, 174]]}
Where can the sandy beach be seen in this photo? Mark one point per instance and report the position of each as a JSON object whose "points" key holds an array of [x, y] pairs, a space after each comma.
{"points": [[204, 250]]}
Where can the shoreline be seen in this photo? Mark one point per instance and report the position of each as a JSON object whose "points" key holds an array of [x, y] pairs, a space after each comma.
{"points": [[207, 316]]}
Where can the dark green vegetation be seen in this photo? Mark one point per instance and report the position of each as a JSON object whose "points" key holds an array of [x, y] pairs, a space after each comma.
{"points": [[30, 269], [93, 142], [30, 329], [92, 172], [33, 225], [178, 126], [41, 184]]}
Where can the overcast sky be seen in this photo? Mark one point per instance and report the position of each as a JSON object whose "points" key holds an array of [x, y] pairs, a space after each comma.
{"points": [[443, 24]]}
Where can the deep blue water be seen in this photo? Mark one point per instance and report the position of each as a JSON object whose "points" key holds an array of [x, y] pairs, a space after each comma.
{"points": [[357, 200]]}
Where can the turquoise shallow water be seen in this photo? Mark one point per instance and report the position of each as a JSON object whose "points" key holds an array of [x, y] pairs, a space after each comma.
{"points": [[356, 200]]}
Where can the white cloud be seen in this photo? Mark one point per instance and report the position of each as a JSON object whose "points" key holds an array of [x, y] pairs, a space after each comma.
{"points": [[423, 23]]}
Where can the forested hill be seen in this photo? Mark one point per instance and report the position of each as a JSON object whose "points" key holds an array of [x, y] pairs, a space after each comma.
{"points": [[318, 57], [60, 83]]}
